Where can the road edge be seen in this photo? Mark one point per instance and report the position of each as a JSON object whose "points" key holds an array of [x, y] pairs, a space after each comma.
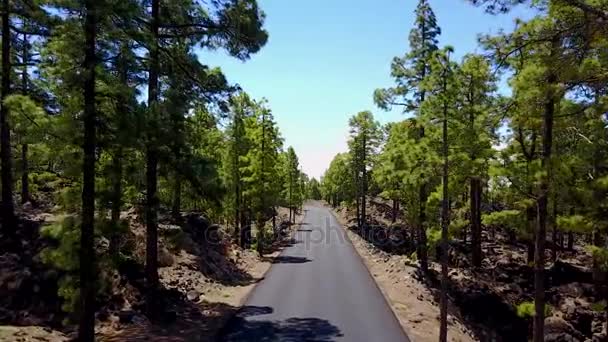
{"points": [[381, 288]]}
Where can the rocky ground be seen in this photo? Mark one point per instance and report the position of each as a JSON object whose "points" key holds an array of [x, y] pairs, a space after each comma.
{"points": [[204, 277], [484, 301]]}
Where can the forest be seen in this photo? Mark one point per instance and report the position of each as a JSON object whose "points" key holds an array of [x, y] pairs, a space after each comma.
{"points": [[494, 184], [109, 120]]}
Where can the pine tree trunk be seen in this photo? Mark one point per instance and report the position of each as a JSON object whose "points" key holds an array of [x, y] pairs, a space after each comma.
{"points": [[475, 212], [25, 188], [422, 250], [116, 203], [530, 219], [237, 212], [7, 209], [531, 251], [544, 187], [445, 222], [364, 184], [570, 241], [554, 230], [395, 211], [177, 197], [86, 327], [25, 183], [244, 226], [152, 164], [358, 210], [422, 193]]}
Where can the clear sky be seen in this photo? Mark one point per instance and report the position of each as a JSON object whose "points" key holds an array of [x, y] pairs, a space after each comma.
{"points": [[324, 58]]}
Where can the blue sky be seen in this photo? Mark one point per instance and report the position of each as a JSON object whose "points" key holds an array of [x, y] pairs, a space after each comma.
{"points": [[324, 58]]}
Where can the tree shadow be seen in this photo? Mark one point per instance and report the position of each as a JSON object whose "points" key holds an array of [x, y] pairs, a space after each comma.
{"points": [[252, 310], [289, 330], [180, 321], [481, 310], [286, 259]]}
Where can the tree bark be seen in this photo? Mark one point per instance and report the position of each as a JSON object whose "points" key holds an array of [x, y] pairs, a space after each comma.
{"points": [[177, 197], [86, 327], [116, 203], [25, 182], [554, 229], [530, 219], [25, 188], [152, 161], [422, 250], [358, 210], [475, 212], [237, 211], [531, 251], [395, 210], [245, 227], [7, 208]]}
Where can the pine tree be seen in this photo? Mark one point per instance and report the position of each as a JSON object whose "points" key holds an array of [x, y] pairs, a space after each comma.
{"points": [[262, 168], [239, 40], [476, 122], [442, 87], [237, 150], [86, 330], [364, 140], [291, 188], [408, 73]]}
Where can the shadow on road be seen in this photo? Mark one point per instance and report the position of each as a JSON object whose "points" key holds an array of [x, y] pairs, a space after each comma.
{"points": [[252, 310], [285, 259], [289, 330]]}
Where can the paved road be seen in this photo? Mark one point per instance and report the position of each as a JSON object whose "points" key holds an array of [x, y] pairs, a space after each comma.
{"points": [[317, 290]]}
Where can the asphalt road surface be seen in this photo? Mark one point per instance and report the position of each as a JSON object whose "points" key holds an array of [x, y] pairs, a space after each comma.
{"points": [[317, 290]]}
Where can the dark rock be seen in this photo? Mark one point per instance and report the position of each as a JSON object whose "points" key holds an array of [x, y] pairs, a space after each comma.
{"points": [[557, 329], [126, 316], [564, 273], [581, 319], [169, 316], [103, 315]]}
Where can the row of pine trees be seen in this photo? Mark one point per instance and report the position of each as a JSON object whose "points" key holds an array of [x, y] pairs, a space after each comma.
{"points": [[531, 161], [106, 105]]}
